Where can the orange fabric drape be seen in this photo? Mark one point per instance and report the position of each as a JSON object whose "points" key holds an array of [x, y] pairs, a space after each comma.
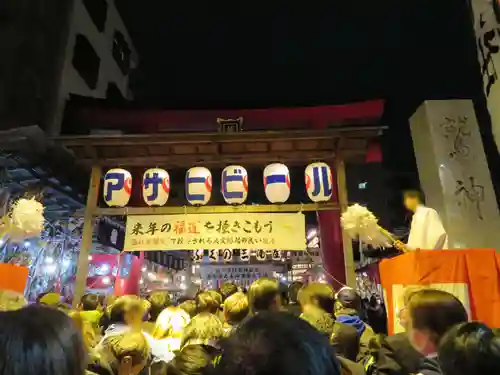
{"points": [[479, 269], [13, 278]]}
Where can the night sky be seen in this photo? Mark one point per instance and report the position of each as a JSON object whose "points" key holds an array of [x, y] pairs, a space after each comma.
{"points": [[206, 56], [248, 55]]}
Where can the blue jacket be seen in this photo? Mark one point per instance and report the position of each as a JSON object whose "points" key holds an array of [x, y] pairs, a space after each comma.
{"points": [[353, 320]]}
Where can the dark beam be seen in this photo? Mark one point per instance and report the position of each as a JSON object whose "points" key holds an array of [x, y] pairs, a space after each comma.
{"points": [[176, 210], [184, 138], [294, 157]]}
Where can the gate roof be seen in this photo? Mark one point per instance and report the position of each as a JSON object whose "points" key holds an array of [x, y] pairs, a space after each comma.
{"points": [[174, 150]]}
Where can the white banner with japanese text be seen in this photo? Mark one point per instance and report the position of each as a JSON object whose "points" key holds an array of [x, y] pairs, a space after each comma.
{"points": [[487, 28], [243, 275], [216, 231]]}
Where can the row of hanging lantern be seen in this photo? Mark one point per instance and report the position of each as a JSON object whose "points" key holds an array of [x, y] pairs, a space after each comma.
{"points": [[234, 185]]}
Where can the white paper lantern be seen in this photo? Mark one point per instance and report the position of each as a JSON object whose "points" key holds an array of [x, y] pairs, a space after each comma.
{"points": [[234, 184], [117, 187], [319, 182], [198, 185], [155, 187], [277, 183]]}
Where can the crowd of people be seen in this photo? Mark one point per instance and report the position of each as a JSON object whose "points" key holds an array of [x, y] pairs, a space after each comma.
{"points": [[311, 331]]}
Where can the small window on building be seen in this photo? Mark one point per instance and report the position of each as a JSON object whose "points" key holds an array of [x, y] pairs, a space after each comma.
{"points": [[362, 185], [86, 61], [98, 11], [121, 52]]}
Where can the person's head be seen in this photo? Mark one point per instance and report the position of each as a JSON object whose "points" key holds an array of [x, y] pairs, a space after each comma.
{"points": [[470, 349], [203, 329], [277, 343], [191, 360], [10, 301], [189, 306], [317, 295], [217, 296], [236, 308], [125, 353], [40, 340], [348, 298], [412, 199], [345, 340], [403, 314], [90, 302], [228, 289], [49, 299], [264, 295], [127, 310], [170, 323], [159, 301], [206, 302], [293, 291], [432, 313]]}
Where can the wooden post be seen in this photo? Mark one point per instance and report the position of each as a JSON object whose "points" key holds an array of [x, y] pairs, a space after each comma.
{"points": [[88, 227], [350, 273]]}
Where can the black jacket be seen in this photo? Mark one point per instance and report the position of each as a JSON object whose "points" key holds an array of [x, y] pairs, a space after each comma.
{"points": [[352, 368], [430, 366], [294, 308], [396, 356], [365, 332]]}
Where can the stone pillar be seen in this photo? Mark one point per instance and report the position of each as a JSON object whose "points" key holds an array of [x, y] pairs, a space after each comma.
{"points": [[454, 173]]}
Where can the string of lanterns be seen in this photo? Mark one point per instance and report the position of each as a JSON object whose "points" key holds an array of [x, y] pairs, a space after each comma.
{"points": [[234, 185]]}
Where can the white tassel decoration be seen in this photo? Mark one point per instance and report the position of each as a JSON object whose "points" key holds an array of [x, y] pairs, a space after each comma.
{"points": [[27, 217], [360, 223]]}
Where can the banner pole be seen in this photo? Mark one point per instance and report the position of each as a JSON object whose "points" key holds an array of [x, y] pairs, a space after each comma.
{"points": [[88, 227]]}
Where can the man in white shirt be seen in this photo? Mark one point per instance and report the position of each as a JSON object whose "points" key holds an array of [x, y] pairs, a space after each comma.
{"points": [[426, 231]]}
